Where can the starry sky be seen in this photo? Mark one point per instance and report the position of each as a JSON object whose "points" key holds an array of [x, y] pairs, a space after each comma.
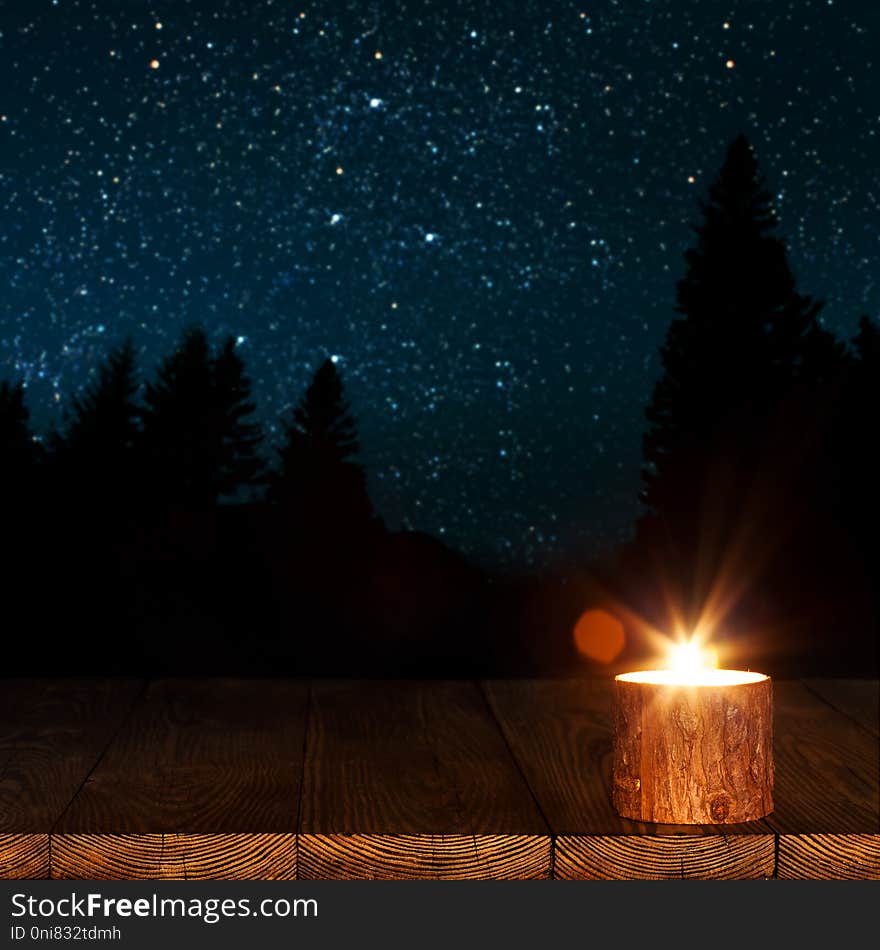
{"points": [[478, 209]]}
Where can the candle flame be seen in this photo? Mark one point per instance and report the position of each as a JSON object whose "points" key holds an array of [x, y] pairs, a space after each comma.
{"points": [[691, 663], [691, 657]]}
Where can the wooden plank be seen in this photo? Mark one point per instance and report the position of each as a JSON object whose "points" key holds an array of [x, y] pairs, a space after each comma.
{"points": [[445, 857], [171, 857], [414, 780], [52, 732], [24, 856], [560, 733], [829, 857], [858, 699], [827, 792], [203, 782], [664, 857]]}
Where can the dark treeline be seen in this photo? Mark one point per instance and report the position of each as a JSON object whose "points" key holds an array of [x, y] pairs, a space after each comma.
{"points": [[157, 530]]}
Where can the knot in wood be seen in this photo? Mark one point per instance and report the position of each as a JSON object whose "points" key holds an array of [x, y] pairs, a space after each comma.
{"points": [[719, 807]]}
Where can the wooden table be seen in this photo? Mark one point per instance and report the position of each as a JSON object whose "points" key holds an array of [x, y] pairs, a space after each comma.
{"points": [[232, 778]]}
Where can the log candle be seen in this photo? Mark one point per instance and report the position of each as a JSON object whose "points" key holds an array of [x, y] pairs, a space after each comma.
{"points": [[693, 746]]}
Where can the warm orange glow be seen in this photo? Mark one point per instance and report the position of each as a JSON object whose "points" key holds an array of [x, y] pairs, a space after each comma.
{"points": [[154, 64], [709, 611], [691, 663], [599, 636], [702, 677]]}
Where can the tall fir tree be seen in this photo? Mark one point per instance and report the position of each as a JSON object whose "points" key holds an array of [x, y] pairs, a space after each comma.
{"points": [[19, 453], [744, 340], [867, 346], [240, 464], [318, 482], [179, 445], [94, 455], [198, 444], [858, 450]]}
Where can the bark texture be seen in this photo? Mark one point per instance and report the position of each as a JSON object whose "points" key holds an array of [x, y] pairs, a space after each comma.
{"points": [[693, 754]]}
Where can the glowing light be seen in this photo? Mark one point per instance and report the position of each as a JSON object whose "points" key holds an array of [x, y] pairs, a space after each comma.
{"points": [[598, 634], [695, 678], [690, 657], [730, 64], [154, 64], [339, 169], [377, 54], [691, 179]]}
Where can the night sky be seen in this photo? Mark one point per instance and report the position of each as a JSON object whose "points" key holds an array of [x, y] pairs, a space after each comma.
{"points": [[479, 209]]}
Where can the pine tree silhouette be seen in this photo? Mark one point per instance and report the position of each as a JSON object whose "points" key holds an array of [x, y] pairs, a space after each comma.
{"points": [[197, 443], [744, 338], [180, 449], [318, 483], [94, 456], [867, 346], [858, 451], [742, 335], [240, 463], [19, 453]]}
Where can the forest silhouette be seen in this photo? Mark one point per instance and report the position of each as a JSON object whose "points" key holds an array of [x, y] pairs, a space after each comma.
{"points": [[157, 531]]}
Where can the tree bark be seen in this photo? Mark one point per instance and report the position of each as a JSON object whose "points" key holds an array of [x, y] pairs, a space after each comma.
{"points": [[693, 754]]}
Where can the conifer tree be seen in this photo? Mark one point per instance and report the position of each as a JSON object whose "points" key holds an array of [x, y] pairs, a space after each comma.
{"points": [[240, 464], [745, 355], [867, 345], [19, 453], [180, 450], [94, 456], [857, 449], [318, 482], [198, 444], [743, 337]]}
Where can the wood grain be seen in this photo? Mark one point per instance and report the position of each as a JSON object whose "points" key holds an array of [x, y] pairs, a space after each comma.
{"points": [[410, 779], [51, 735], [424, 857], [204, 779], [662, 857], [560, 733], [858, 699], [827, 794], [193, 857], [24, 857], [830, 857]]}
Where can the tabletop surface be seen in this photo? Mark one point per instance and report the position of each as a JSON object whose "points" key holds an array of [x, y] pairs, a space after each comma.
{"points": [[285, 778]]}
